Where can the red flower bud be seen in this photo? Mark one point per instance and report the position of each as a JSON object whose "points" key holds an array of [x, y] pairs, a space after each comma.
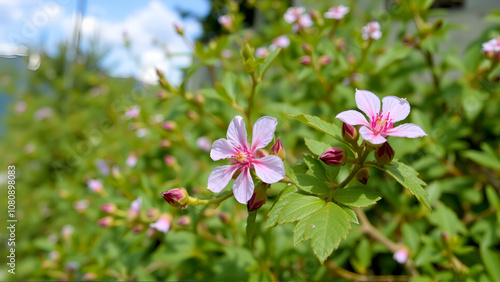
{"points": [[169, 125], [179, 29], [177, 197], [308, 49], [384, 154], [349, 133], [363, 175], [184, 220], [305, 60], [106, 221], [108, 208], [258, 199], [334, 157], [324, 60], [278, 150]]}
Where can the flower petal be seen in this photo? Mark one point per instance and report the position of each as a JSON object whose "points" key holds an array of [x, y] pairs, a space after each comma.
{"points": [[243, 187], [269, 169], [237, 133], [263, 132], [409, 130], [368, 102], [220, 176], [397, 108], [352, 117], [371, 137], [222, 149]]}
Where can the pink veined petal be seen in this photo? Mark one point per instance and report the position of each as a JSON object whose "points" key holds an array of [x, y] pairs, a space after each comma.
{"points": [[397, 108], [269, 169], [371, 137], [243, 187], [409, 130], [222, 149], [263, 132], [237, 133], [220, 176], [368, 103], [352, 117]]}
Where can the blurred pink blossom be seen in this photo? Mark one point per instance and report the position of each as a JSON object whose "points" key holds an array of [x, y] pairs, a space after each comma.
{"points": [[131, 160], [43, 113], [371, 30], [401, 255], [225, 21], [337, 12], [81, 206], [162, 224], [280, 42], [133, 112], [135, 206], [492, 46], [204, 143], [21, 107], [95, 185], [261, 52]]}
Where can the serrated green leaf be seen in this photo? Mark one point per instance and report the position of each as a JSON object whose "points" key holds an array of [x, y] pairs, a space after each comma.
{"points": [[223, 93], [491, 262], [356, 196], [315, 166], [321, 125], [299, 230], [326, 228], [309, 184], [408, 177], [252, 216], [350, 213], [268, 61], [299, 208], [288, 194], [316, 147]]}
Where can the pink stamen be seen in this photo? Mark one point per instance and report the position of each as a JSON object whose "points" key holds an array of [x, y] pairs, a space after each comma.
{"points": [[243, 158], [381, 124]]}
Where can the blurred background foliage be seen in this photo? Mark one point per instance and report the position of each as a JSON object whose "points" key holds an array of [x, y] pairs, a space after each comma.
{"points": [[67, 124]]}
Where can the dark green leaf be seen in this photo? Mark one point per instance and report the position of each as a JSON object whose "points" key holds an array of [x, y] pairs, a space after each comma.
{"points": [[321, 125], [285, 197], [356, 196], [252, 216], [223, 93], [309, 183], [491, 262]]}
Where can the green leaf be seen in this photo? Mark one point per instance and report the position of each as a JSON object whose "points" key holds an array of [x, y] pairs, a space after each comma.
{"points": [[288, 194], [492, 196], [447, 220], [299, 230], [223, 93], [321, 125], [408, 177], [252, 216], [315, 166], [392, 55], [229, 83], [309, 183], [356, 196], [316, 147], [350, 213], [326, 228], [411, 237], [262, 69], [299, 208], [488, 157], [491, 262]]}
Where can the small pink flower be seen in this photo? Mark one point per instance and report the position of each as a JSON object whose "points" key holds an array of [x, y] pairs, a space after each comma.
{"points": [[269, 169], [169, 160], [102, 166], [131, 160], [225, 21], [43, 113], [401, 256], [106, 221], [81, 206], [141, 132], [226, 54], [293, 14], [95, 185], [163, 223], [109, 208], [337, 12], [380, 124], [303, 21], [371, 30], [135, 206], [133, 112], [261, 52], [492, 46], [21, 107], [280, 42], [67, 230], [203, 143]]}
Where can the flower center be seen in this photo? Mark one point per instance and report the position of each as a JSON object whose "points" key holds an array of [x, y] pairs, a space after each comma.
{"points": [[243, 157], [380, 124]]}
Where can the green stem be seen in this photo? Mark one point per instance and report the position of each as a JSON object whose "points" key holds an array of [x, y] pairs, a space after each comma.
{"points": [[197, 202], [250, 101], [353, 173]]}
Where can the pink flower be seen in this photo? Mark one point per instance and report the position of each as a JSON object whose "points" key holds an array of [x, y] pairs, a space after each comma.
{"points": [[337, 12], [269, 169], [102, 166], [492, 45], [94, 185], [293, 14], [401, 255], [131, 160], [81, 206], [380, 124], [203, 143], [21, 107], [133, 112], [261, 52], [226, 54], [43, 113], [280, 42], [135, 206], [225, 21], [371, 30], [163, 223]]}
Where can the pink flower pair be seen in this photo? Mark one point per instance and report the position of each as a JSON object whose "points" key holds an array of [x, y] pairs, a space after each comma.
{"points": [[269, 169]]}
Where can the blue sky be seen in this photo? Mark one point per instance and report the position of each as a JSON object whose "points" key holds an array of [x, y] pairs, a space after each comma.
{"points": [[44, 23]]}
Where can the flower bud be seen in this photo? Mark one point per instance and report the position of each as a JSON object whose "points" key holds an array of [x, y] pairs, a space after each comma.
{"points": [[334, 157], [198, 98], [324, 60], [305, 60], [177, 197], [349, 133], [316, 17], [160, 74], [308, 49], [106, 221], [363, 175], [278, 150], [169, 125], [108, 208], [165, 143], [179, 29], [169, 160], [261, 153], [224, 217], [184, 220], [247, 52], [161, 95], [152, 213], [258, 199], [384, 154]]}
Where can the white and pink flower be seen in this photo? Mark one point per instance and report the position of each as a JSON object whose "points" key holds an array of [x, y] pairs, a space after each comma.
{"points": [[162, 224], [401, 255], [337, 12], [21, 107], [280, 42], [371, 30], [131, 160], [133, 112], [269, 169], [225, 21], [43, 113], [95, 185], [380, 124], [299, 18], [135, 207], [261, 52], [492, 46]]}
